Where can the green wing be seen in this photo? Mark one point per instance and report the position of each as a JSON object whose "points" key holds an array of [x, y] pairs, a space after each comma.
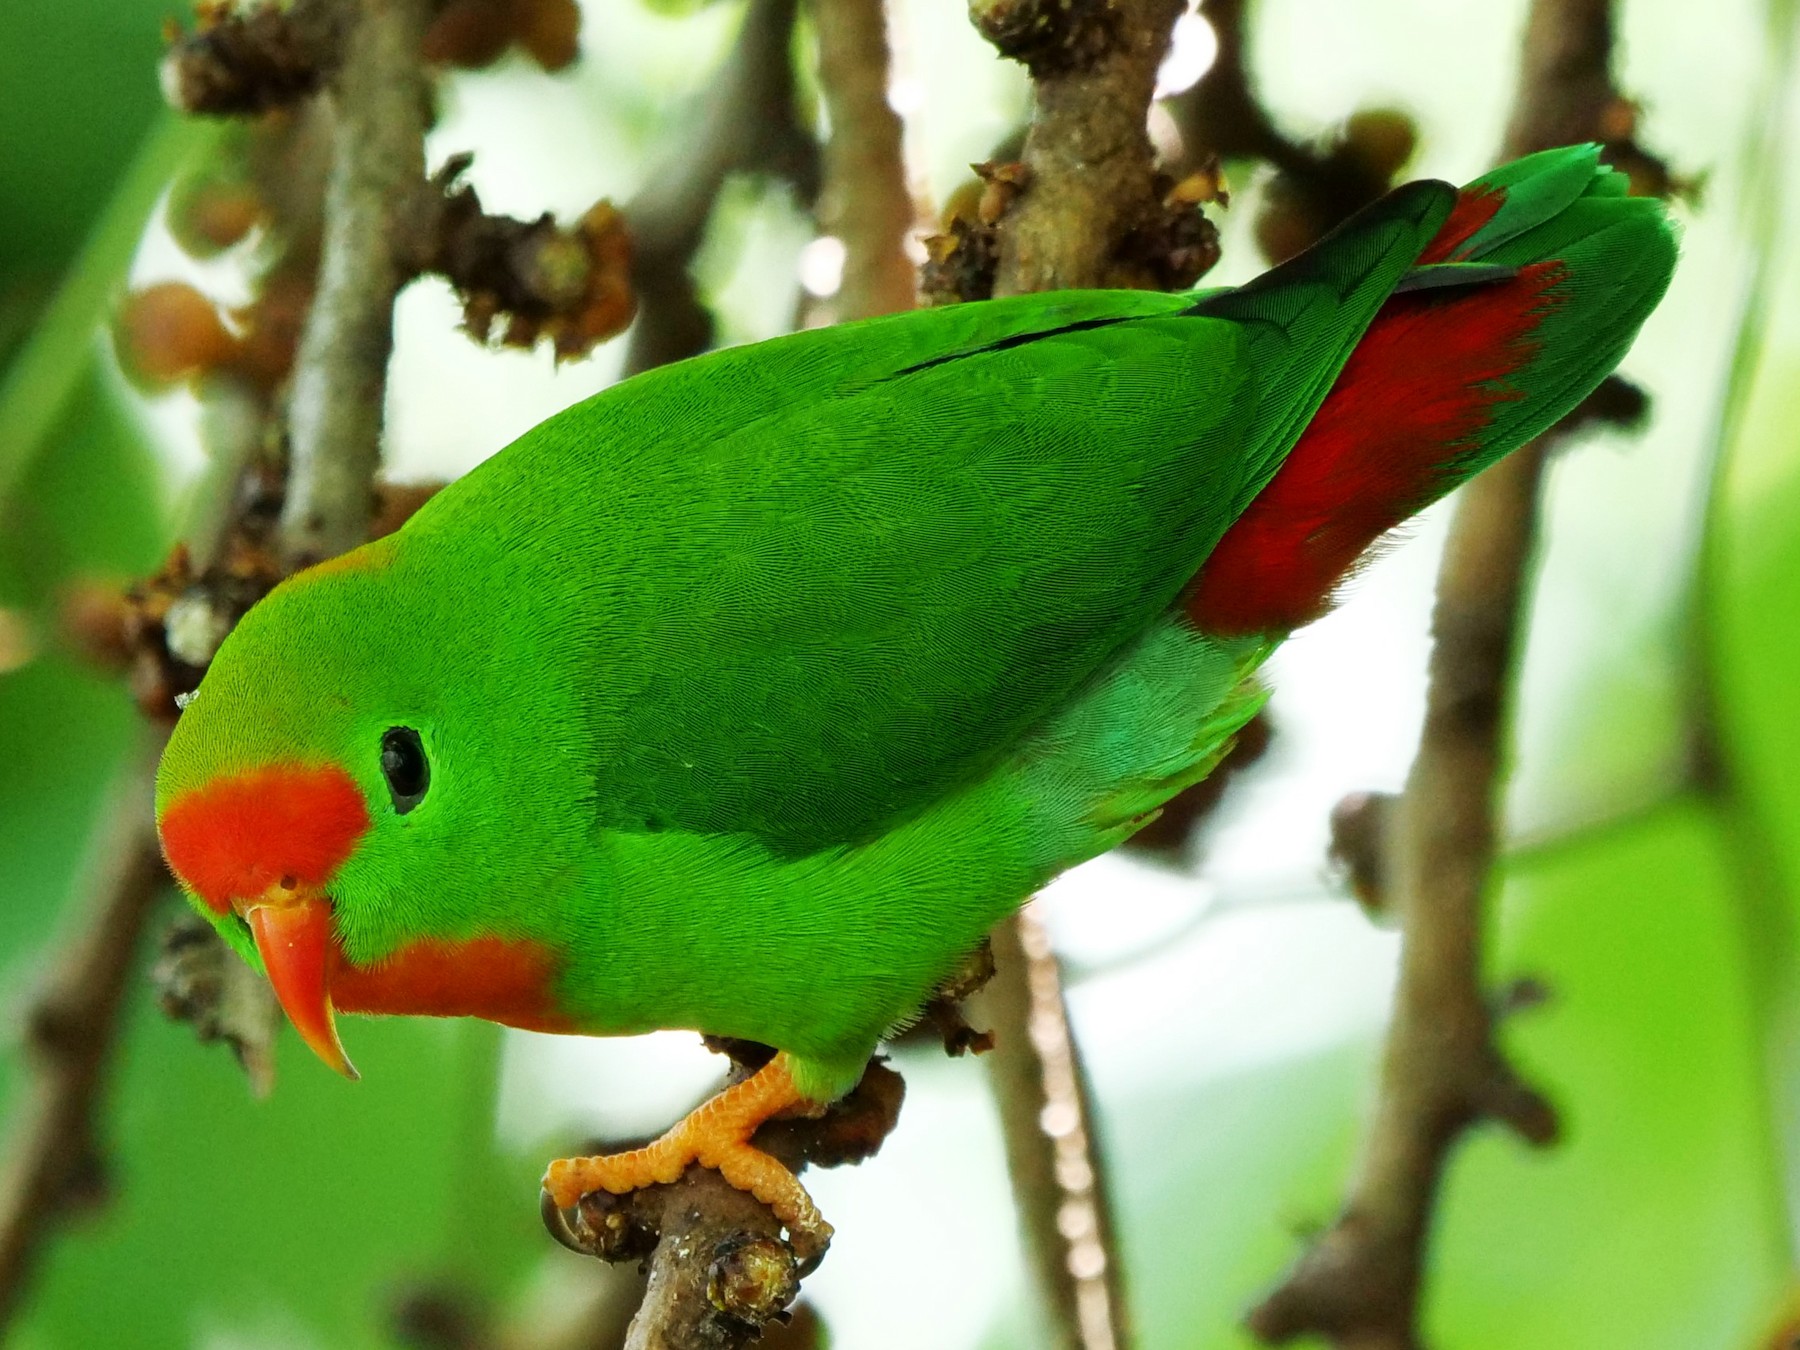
{"points": [[815, 583]]}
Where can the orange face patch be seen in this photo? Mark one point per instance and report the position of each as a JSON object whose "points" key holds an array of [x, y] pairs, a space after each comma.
{"points": [[240, 835], [502, 980]]}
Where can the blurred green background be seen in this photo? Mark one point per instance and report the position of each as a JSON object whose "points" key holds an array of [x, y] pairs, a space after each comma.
{"points": [[1231, 1009]]}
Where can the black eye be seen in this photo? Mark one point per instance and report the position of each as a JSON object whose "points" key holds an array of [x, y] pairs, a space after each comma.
{"points": [[404, 766]]}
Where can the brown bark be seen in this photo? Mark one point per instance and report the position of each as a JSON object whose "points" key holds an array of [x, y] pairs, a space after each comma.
{"points": [[1089, 175], [1053, 1152], [371, 194], [54, 1163], [864, 201]]}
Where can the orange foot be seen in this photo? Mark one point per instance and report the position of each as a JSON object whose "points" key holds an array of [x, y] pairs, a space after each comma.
{"points": [[714, 1134]]}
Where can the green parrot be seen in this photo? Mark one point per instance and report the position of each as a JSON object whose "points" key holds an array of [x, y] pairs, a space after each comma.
{"points": [[749, 694]]}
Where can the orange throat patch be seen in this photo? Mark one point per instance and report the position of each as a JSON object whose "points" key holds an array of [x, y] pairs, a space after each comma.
{"points": [[507, 981]]}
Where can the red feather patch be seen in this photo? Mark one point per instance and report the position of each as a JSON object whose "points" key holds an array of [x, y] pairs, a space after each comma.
{"points": [[511, 981], [238, 836], [1474, 208], [1413, 399]]}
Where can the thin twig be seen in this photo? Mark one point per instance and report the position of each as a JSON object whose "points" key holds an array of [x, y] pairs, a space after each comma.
{"points": [[1046, 1118], [864, 201], [340, 373], [54, 1164], [1442, 1072], [749, 126]]}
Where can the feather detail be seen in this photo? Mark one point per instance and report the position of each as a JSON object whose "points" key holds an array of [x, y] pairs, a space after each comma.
{"points": [[508, 981], [243, 833], [1416, 394], [1528, 294], [1475, 207]]}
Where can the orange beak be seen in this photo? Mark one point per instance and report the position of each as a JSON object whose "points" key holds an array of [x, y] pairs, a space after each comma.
{"points": [[292, 928]]}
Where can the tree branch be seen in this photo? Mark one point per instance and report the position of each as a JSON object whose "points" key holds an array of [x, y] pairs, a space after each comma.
{"points": [[1085, 207], [54, 1164], [371, 193], [1046, 1117], [720, 1270], [864, 201], [1090, 181], [749, 126], [1442, 1072]]}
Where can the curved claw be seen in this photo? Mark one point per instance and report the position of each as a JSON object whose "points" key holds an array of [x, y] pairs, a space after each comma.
{"points": [[556, 1223], [809, 1247]]}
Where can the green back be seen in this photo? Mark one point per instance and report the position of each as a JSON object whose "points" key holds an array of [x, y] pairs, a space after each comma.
{"points": [[790, 593], [816, 583]]}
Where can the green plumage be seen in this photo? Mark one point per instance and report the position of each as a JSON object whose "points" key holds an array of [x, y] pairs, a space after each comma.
{"points": [[759, 687]]}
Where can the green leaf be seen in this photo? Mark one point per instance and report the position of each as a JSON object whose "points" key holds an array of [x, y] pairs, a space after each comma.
{"points": [[42, 377], [1656, 1223], [304, 1215]]}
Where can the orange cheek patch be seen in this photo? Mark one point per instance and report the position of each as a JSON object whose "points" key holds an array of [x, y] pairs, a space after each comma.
{"points": [[237, 836], [507, 981]]}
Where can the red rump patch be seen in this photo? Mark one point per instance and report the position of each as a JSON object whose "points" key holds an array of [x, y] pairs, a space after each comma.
{"points": [[1416, 394], [240, 835]]}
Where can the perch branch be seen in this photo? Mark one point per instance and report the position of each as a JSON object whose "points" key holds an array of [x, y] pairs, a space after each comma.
{"points": [[1442, 1073], [749, 126], [719, 1268], [54, 1165], [371, 195], [864, 201]]}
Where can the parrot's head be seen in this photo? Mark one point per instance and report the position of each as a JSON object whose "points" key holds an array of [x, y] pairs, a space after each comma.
{"points": [[366, 794]]}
